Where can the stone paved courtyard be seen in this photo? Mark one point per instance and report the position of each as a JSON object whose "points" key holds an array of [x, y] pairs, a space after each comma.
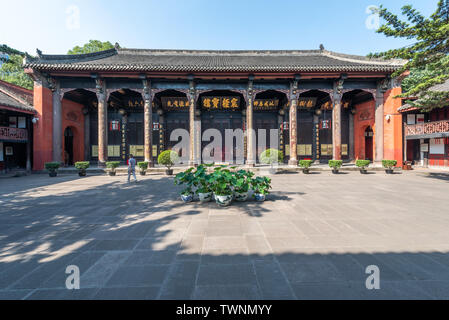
{"points": [[313, 238]]}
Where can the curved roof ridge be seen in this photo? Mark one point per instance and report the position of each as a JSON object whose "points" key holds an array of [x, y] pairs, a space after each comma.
{"points": [[362, 59]]}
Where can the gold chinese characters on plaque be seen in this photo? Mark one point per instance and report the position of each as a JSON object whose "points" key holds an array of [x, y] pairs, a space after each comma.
{"points": [[305, 102], [266, 104], [175, 102], [344, 149], [220, 103]]}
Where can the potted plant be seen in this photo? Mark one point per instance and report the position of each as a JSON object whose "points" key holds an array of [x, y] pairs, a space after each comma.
{"points": [[363, 164], [143, 166], [222, 180], [52, 168], [305, 165], [82, 166], [202, 180], [112, 165], [168, 158], [261, 186], [335, 165], [242, 184], [389, 165], [186, 178], [271, 156]]}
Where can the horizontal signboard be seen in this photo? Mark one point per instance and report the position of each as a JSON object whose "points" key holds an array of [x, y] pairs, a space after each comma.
{"points": [[14, 134]]}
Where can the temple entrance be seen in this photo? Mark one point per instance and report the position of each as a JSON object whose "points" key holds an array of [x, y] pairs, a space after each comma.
{"points": [[267, 107], [369, 144], [314, 126], [221, 110], [68, 147]]}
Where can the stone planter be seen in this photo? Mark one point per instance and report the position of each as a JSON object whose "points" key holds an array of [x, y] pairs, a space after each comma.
{"points": [[205, 197], [82, 173], [389, 171], [363, 171], [306, 170], [335, 171], [169, 172], [187, 198], [223, 201], [259, 197], [142, 173], [52, 173], [111, 173], [241, 197]]}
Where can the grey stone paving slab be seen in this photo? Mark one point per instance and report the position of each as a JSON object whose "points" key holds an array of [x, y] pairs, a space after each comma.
{"points": [[312, 239]]}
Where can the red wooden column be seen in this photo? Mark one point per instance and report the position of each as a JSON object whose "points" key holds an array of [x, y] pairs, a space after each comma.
{"points": [[192, 149], [57, 121], [382, 87], [148, 122], [251, 133], [336, 120], [102, 123], [293, 123]]}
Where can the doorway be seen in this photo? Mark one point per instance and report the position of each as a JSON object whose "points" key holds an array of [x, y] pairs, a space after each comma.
{"points": [[68, 147], [369, 144]]}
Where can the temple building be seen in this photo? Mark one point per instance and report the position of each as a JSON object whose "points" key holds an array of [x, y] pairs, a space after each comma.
{"points": [[323, 105], [16, 129], [426, 134]]}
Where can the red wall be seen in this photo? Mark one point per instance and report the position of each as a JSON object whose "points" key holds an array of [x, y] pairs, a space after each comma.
{"points": [[42, 130], [72, 116], [363, 118], [393, 128]]}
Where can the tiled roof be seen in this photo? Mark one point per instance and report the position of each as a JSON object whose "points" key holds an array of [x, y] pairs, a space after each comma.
{"points": [[211, 61], [16, 97], [437, 88]]}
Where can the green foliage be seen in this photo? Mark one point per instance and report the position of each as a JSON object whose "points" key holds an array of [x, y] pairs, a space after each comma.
{"points": [[271, 156], [427, 58], [243, 179], [143, 165], [261, 185], [362, 163], [112, 164], [305, 163], [168, 158], [91, 46], [8, 50], [335, 164], [12, 72], [82, 165], [52, 166], [222, 181], [389, 164]]}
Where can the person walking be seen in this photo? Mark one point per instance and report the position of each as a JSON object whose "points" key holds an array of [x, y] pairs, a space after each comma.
{"points": [[131, 168]]}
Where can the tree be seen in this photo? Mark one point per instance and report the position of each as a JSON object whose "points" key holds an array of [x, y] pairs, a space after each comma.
{"points": [[12, 71], [427, 58], [91, 46]]}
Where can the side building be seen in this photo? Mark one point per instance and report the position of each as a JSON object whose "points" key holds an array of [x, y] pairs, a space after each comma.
{"points": [[320, 104], [16, 128]]}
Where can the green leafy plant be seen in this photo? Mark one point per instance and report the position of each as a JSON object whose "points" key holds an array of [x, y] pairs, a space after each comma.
{"points": [[52, 166], [186, 177], [306, 164], [335, 164], [82, 165], [168, 158], [202, 179], [362, 163], [271, 156], [389, 164], [112, 164], [143, 165], [242, 181], [222, 181], [261, 185]]}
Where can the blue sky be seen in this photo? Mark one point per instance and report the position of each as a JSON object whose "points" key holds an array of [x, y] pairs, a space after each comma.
{"points": [[54, 26]]}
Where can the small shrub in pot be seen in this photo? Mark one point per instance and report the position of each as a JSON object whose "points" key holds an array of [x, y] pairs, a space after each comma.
{"points": [[363, 164], [168, 158], [271, 156], [52, 168], [335, 165], [82, 167], [305, 165], [389, 165], [143, 166], [112, 165]]}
